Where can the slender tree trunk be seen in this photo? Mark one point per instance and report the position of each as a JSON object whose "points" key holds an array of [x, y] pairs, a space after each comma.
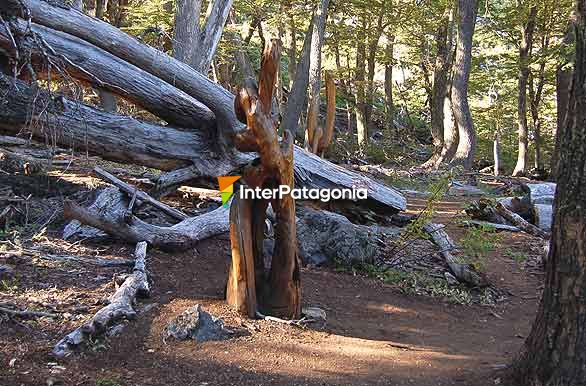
{"points": [[497, 151], [524, 58], [107, 99], [439, 91], [535, 95], [317, 40], [554, 352], [186, 34], [292, 50], [389, 105], [463, 61], [100, 6], [563, 83], [197, 45], [361, 123], [371, 63]]}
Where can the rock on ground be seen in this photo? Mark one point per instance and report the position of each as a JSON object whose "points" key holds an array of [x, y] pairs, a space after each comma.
{"points": [[197, 324], [326, 237]]}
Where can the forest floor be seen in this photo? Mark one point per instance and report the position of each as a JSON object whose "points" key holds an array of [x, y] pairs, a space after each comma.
{"points": [[375, 332]]}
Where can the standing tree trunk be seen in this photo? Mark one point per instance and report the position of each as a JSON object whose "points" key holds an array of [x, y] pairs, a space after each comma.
{"points": [[389, 105], [554, 353], [524, 59], [252, 287], [186, 34], [463, 61], [563, 82], [535, 95], [371, 63], [317, 40], [194, 44], [361, 123], [292, 50], [107, 99], [439, 91], [497, 151]]}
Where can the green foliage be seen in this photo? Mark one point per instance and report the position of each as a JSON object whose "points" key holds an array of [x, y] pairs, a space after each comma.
{"points": [[477, 243], [415, 283], [519, 257], [107, 382]]}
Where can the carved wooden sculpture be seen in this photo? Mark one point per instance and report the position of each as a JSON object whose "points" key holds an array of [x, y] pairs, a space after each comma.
{"points": [[252, 287]]}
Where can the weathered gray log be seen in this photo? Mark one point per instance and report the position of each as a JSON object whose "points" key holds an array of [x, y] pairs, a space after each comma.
{"points": [[519, 222], [462, 271], [498, 227], [120, 307], [110, 202], [11, 141], [543, 214], [541, 193], [108, 72], [132, 190], [180, 236], [111, 136]]}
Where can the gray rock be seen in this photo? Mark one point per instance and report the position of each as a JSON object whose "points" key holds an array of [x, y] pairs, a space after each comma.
{"points": [[539, 190], [197, 324], [543, 216], [326, 237], [458, 189], [6, 271]]}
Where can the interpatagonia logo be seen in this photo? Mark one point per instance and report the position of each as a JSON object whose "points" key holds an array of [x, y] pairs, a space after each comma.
{"points": [[227, 188]]}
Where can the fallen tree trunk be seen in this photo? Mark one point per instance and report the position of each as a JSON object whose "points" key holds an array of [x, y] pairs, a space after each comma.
{"points": [[111, 136], [462, 271], [119, 308], [520, 223], [131, 229], [123, 139], [99, 68]]}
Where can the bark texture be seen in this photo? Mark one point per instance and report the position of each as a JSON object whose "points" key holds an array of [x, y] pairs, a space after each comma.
{"points": [[252, 287], [554, 353], [467, 136], [524, 58], [317, 41]]}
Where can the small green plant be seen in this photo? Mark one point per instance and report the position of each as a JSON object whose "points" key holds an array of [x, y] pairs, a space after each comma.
{"points": [[107, 382], [517, 256], [9, 285], [477, 243]]}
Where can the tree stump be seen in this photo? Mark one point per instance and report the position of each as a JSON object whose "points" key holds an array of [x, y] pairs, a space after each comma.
{"points": [[252, 286]]}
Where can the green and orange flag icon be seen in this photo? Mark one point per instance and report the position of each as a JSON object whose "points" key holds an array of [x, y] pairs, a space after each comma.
{"points": [[227, 188]]}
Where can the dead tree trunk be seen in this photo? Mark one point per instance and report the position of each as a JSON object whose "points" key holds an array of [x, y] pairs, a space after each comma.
{"points": [[251, 289]]}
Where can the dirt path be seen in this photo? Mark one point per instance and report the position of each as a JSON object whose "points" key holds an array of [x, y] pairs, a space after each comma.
{"points": [[445, 344]]}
